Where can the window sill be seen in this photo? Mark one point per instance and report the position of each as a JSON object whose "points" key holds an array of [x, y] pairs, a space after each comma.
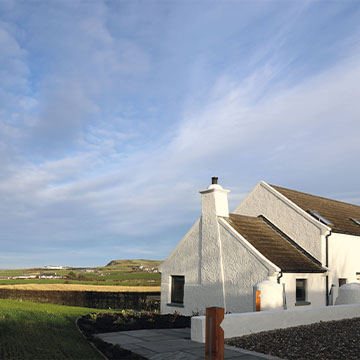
{"points": [[175, 305], [302, 303]]}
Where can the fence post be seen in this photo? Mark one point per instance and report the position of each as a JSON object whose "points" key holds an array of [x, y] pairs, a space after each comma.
{"points": [[214, 345]]}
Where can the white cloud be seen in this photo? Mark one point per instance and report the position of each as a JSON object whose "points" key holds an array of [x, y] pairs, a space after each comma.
{"points": [[13, 68], [84, 164]]}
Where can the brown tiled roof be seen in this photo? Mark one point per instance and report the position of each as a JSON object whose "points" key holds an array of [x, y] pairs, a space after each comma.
{"points": [[338, 213], [272, 244]]}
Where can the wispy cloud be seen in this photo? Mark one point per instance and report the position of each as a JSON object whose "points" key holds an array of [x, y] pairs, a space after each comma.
{"points": [[112, 118]]}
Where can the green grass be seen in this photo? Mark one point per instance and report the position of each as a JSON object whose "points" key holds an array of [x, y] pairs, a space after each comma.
{"points": [[120, 272], [94, 282], [31, 331]]}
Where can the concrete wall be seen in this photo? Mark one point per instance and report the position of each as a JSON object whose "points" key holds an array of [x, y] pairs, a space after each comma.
{"points": [[293, 221], [316, 288], [344, 259], [249, 323]]}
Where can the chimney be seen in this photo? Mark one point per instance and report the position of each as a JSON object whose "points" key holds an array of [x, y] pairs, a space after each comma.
{"points": [[214, 200]]}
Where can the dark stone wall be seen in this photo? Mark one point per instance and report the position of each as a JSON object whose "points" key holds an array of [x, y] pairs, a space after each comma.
{"points": [[92, 299]]}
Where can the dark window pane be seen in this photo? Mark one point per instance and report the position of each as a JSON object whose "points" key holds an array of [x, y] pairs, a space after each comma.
{"points": [[177, 289], [300, 289], [342, 282]]}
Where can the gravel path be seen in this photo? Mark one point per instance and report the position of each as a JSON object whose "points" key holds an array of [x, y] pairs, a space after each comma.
{"points": [[324, 340]]}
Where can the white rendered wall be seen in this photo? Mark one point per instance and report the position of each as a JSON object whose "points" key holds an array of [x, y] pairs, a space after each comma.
{"points": [[210, 279], [198, 257], [184, 260], [242, 270], [219, 266], [316, 289], [249, 323], [344, 259], [293, 221]]}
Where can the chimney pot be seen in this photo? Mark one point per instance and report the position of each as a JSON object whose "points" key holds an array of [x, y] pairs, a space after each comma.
{"points": [[214, 180]]}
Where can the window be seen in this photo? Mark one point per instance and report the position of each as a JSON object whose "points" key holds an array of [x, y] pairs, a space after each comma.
{"points": [[177, 289], [300, 290], [342, 282], [319, 217], [357, 222]]}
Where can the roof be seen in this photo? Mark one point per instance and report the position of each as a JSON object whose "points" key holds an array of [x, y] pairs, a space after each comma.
{"points": [[273, 244], [338, 213]]}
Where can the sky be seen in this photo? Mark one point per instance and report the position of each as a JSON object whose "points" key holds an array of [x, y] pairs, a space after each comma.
{"points": [[114, 114]]}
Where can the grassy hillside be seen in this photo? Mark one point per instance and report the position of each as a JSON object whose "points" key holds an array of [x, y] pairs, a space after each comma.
{"points": [[128, 264], [117, 272], [42, 331]]}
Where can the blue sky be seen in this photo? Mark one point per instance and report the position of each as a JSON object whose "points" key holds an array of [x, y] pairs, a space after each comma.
{"points": [[114, 114]]}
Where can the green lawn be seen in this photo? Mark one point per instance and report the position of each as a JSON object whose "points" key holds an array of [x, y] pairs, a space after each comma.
{"points": [[31, 331]]}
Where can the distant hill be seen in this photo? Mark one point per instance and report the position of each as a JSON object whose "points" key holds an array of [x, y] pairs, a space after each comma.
{"points": [[134, 262]]}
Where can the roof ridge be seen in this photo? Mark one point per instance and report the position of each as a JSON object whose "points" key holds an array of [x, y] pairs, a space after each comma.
{"points": [[244, 216], [317, 196]]}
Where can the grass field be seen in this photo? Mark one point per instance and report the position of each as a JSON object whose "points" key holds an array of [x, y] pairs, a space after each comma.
{"points": [[31, 331], [117, 272], [77, 287]]}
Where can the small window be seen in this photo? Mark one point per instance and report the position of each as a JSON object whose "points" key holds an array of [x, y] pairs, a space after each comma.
{"points": [[317, 216], [300, 290], [342, 282], [357, 222], [177, 289]]}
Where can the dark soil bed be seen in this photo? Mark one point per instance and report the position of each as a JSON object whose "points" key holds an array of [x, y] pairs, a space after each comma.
{"points": [[324, 340], [92, 324]]}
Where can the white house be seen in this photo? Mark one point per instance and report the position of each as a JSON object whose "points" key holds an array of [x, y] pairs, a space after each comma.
{"points": [[309, 243]]}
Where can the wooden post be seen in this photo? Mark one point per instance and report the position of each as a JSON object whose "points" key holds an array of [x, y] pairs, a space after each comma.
{"points": [[214, 345], [258, 300]]}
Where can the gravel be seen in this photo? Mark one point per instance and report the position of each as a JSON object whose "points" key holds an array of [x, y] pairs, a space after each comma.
{"points": [[324, 340]]}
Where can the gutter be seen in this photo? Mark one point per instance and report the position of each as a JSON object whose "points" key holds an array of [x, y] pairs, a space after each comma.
{"points": [[327, 265]]}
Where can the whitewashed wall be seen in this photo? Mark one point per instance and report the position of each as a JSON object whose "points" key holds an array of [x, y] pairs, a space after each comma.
{"points": [[220, 267], [213, 277], [184, 260], [293, 221], [249, 323], [316, 288], [344, 259], [242, 270]]}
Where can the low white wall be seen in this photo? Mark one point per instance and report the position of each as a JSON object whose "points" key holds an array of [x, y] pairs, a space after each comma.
{"points": [[248, 323], [349, 294]]}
